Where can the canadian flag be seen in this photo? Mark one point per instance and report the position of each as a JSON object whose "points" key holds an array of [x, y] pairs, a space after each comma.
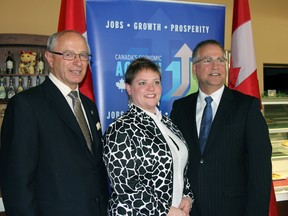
{"points": [[243, 70], [72, 17]]}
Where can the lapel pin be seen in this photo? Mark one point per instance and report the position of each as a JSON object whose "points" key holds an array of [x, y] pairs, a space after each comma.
{"points": [[98, 126]]}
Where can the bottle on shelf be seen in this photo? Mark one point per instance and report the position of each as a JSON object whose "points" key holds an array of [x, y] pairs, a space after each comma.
{"points": [[28, 83], [38, 81], [2, 89], [9, 63], [40, 64], [20, 86], [11, 90]]}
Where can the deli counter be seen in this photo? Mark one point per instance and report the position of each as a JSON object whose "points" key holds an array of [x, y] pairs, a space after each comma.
{"points": [[275, 111]]}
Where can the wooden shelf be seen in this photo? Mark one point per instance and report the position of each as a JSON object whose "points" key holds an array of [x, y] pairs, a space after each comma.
{"points": [[15, 43], [21, 42], [30, 40]]}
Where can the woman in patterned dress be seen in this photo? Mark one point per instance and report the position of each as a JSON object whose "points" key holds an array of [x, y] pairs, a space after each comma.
{"points": [[144, 152]]}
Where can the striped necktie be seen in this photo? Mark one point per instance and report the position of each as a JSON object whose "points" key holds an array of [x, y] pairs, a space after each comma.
{"points": [[81, 118], [205, 123]]}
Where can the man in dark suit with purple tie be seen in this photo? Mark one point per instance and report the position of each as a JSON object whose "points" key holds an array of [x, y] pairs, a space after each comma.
{"points": [[232, 175], [46, 167]]}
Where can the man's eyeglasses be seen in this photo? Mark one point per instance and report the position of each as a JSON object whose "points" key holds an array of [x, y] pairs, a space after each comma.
{"points": [[209, 61], [69, 55]]}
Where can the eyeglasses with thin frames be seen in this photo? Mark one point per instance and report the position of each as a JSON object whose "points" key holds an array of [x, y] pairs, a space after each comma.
{"points": [[209, 60], [70, 55]]}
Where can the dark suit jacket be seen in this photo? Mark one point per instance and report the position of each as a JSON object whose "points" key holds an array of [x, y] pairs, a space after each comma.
{"points": [[233, 175], [45, 165]]}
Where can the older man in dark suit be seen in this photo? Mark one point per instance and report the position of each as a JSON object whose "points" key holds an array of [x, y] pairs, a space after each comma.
{"points": [[229, 163], [49, 165]]}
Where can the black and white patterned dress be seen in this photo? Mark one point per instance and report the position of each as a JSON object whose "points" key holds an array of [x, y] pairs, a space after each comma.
{"points": [[140, 165]]}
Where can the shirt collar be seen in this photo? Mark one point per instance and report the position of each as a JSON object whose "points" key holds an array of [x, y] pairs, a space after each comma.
{"points": [[156, 116], [65, 90], [216, 96]]}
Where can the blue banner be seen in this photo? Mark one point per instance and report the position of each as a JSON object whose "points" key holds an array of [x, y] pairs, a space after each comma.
{"points": [[165, 32]]}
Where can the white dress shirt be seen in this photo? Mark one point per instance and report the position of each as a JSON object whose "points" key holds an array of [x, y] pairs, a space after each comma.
{"points": [[201, 103], [179, 155], [65, 90]]}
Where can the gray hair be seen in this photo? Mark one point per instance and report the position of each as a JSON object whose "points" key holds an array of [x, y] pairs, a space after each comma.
{"points": [[52, 40]]}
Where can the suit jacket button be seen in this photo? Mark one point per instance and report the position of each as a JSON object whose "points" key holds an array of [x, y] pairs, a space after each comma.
{"points": [[201, 161]]}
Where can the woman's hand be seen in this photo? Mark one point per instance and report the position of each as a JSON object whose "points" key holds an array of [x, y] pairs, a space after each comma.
{"points": [[177, 212], [186, 204]]}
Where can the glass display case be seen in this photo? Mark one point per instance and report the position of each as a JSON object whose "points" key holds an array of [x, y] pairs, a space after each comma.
{"points": [[275, 111]]}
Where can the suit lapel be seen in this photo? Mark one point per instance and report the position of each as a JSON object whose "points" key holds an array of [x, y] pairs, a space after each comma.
{"points": [[94, 124], [219, 119], [59, 104], [188, 124]]}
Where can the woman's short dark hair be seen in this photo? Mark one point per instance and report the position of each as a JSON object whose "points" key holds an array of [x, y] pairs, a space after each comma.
{"points": [[137, 65]]}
